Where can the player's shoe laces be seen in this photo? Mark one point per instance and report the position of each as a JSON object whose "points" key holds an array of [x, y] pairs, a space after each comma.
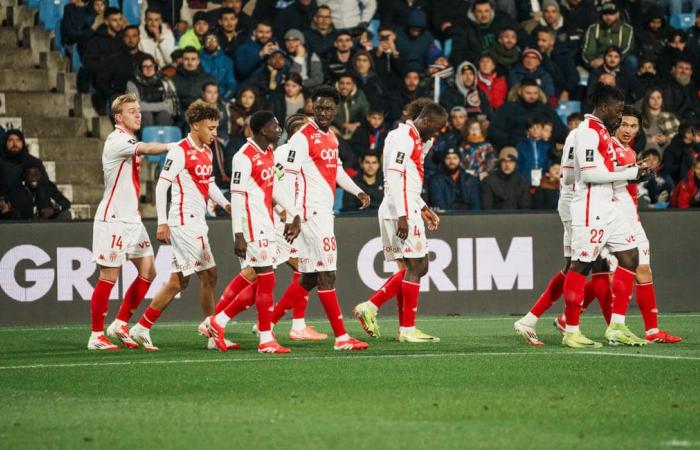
{"points": [[368, 318], [143, 338], [272, 347], [217, 332], [619, 334], [661, 337], [101, 343], [211, 345], [578, 340], [121, 332], [528, 334], [417, 336], [560, 324], [350, 344], [202, 329], [306, 334]]}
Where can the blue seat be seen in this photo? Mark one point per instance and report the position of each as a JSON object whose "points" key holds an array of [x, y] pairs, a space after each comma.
{"points": [[163, 134], [75, 59], [338, 203], [447, 51], [373, 27], [33, 4], [682, 21], [566, 108], [132, 11], [50, 12], [57, 39], [114, 3]]}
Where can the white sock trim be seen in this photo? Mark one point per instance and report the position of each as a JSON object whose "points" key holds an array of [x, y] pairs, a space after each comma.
{"points": [[222, 319], [572, 328], [617, 318], [406, 330], [298, 324], [344, 337], [265, 337]]}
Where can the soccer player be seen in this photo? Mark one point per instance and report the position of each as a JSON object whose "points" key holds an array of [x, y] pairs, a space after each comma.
{"points": [[401, 222], [596, 223], [312, 157], [253, 190], [187, 169], [118, 233]]}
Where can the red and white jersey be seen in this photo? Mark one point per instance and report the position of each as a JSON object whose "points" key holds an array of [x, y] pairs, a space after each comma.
{"points": [[252, 183], [312, 157], [189, 169], [625, 192], [567, 178], [281, 153], [120, 165], [403, 157], [592, 204]]}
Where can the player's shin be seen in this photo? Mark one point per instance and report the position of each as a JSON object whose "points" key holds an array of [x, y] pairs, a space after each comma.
{"points": [[99, 304], [573, 296], [329, 301], [409, 292], [622, 285], [133, 298], [294, 294], [389, 290], [299, 309], [235, 287], [264, 304], [646, 300], [551, 294], [243, 301]]}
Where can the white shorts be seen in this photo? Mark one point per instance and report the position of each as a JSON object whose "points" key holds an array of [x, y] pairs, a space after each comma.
{"points": [[261, 252], [588, 242], [640, 237], [191, 250], [318, 251], [285, 250], [414, 246], [567, 238], [115, 242]]}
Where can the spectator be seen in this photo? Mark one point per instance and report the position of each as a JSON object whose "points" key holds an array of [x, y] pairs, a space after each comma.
{"points": [[659, 126], [505, 188], [216, 63], [244, 23], [194, 37], [190, 78], [578, 16], [612, 64], [415, 42], [574, 120], [409, 91], [653, 34], [694, 35], [246, 104], [490, 82], [371, 180], [608, 30], [655, 191], [530, 66], [210, 94], [676, 48], [479, 156], [646, 78], [546, 195], [298, 15], [104, 43], [76, 25], [686, 194], [120, 67], [451, 136], [478, 33], [680, 153], [307, 64], [14, 157], [453, 188], [251, 55], [157, 39], [387, 61], [348, 15], [270, 78], [321, 34], [533, 153], [190, 9], [99, 8], [679, 93], [509, 123], [290, 99], [468, 94], [369, 137], [505, 51], [339, 61], [353, 107], [156, 94], [368, 80], [396, 12], [558, 60], [227, 32], [38, 198]]}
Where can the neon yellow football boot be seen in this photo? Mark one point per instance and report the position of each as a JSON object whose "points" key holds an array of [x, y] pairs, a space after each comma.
{"points": [[578, 340], [619, 334]]}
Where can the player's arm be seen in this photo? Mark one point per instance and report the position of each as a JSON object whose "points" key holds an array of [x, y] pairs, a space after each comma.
{"points": [[592, 164], [568, 176], [290, 159], [153, 148], [396, 172], [345, 182], [218, 198], [289, 209], [240, 180], [174, 164]]}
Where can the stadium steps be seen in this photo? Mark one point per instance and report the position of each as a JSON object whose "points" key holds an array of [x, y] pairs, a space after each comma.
{"points": [[31, 103], [79, 172], [54, 127], [16, 58], [27, 80], [78, 149], [87, 194], [83, 211]]}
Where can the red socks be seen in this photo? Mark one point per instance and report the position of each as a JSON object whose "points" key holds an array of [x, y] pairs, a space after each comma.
{"points": [[294, 294], [133, 297], [389, 290], [399, 303], [550, 295], [329, 301], [149, 317], [264, 301], [409, 292], [622, 285], [99, 304], [646, 300], [299, 308], [234, 288], [243, 301], [573, 296]]}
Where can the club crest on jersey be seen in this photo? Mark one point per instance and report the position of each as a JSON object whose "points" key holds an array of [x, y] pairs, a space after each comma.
{"points": [[132, 141], [589, 155], [291, 156], [168, 163], [571, 153], [236, 178], [400, 157]]}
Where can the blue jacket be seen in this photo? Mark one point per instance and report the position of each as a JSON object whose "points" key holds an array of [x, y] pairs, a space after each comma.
{"points": [[445, 194], [532, 155], [221, 67], [543, 77], [247, 58]]}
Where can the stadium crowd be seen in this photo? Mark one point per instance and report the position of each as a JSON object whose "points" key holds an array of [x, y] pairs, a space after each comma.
{"points": [[500, 67]]}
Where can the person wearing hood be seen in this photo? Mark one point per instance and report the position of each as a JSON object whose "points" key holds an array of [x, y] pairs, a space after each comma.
{"points": [[298, 15], [452, 187], [194, 37], [104, 43], [353, 106], [652, 36], [509, 124], [505, 188], [36, 197], [216, 63], [478, 32], [156, 94], [578, 15], [468, 94], [190, 78], [609, 30], [679, 155], [368, 80], [14, 157], [414, 42], [558, 60], [530, 66], [270, 78], [157, 39], [506, 52]]}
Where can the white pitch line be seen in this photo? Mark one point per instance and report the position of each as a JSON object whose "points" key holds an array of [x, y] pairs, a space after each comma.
{"points": [[318, 358]]}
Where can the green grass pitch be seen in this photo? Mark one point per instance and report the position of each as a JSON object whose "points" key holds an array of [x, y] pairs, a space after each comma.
{"points": [[481, 387]]}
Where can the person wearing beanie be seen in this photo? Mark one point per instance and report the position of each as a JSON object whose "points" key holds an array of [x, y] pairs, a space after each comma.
{"points": [[14, 157], [530, 66], [304, 62], [453, 188], [194, 37], [505, 188]]}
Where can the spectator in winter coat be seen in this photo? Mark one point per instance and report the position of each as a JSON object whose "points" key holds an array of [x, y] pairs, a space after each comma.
{"points": [[490, 82], [558, 60], [298, 15], [370, 136], [608, 30], [338, 61], [452, 187], [156, 94], [652, 36], [14, 157], [546, 195], [646, 78], [321, 34], [307, 64], [533, 153], [478, 155], [353, 106], [680, 153], [578, 15], [368, 80], [228, 33], [506, 51], [388, 63], [680, 94], [270, 78], [505, 188], [216, 63], [251, 55], [612, 64], [468, 94], [686, 194], [530, 66], [676, 48], [157, 39], [76, 25], [247, 102], [410, 90], [36, 197], [194, 37], [119, 68], [190, 78], [415, 42], [210, 95], [290, 99], [658, 125], [371, 180], [350, 14], [655, 191], [104, 43]]}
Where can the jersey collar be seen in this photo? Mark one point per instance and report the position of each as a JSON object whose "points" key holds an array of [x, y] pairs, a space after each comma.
{"points": [[191, 142], [593, 118], [413, 127], [255, 145], [315, 125], [120, 128]]}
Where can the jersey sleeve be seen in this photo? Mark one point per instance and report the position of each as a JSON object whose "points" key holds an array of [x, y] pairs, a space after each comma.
{"points": [[591, 163], [396, 173], [121, 146], [291, 158], [567, 160], [174, 164], [241, 169]]}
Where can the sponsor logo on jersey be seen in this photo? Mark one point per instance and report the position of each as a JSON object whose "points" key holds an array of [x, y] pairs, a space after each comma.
{"points": [[589, 155], [291, 156], [168, 163], [203, 170], [329, 154], [236, 178], [267, 173], [400, 157]]}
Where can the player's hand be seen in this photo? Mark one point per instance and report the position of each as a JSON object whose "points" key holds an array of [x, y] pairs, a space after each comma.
{"points": [[292, 230], [365, 199], [430, 218], [228, 209], [240, 246], [163, 233], [402, 225]]}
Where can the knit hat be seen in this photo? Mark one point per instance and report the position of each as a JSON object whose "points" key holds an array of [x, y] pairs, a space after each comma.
{"points": [[199, 15], [295, 34], [547, 3], [508, 153], [608, 8], [532, 51]]}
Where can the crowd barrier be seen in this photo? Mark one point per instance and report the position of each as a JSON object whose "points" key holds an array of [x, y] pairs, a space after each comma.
{"points": [[480, 264]]}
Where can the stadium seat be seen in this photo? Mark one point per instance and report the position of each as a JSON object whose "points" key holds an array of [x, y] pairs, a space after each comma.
{"points": [[75, 59], [566, 108], [114, 3], [162, 134], [373, 28], [33, 4], [57, 40], [50, 12], [447, 51], [132, 11], [338, 203], [683, 21]]}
